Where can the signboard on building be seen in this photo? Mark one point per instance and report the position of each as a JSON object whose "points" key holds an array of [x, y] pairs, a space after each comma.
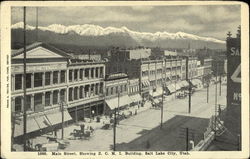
{"points": [[234, 85]]}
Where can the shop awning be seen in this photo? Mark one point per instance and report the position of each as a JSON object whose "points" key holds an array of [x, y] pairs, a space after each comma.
{"points": [[136, 97], [156, 101], [123, 100], [171, 88], [196, 82], [184, 83], [158, 92], [42, 121], [31, 126], [56, 118], [145, 83], [178, 86]]}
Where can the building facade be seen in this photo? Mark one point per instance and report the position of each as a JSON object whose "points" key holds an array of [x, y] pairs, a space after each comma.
{"points": [[54, 82]]}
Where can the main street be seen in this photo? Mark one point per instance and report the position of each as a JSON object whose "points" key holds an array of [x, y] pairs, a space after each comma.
{"points": [[142, 131]]}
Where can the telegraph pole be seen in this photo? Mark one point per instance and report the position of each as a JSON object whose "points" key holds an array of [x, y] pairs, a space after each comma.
{"points": [[189, 87], [115, 121], [62, 110], [114, 148], [215, 120], [24, 82], [162, 108], [207, 90], [187, 134]]}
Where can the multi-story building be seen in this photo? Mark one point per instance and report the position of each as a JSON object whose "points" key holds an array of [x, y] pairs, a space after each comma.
{"points": [[154, 74], [207, 63], [116, 93], [54, 83]]}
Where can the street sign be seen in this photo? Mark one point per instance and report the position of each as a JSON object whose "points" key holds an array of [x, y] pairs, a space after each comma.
{"points": [[234, 72], [233, 114]]}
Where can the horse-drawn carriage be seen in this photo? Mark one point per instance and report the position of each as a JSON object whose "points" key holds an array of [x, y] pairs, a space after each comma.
{"points": [[84, 133]]}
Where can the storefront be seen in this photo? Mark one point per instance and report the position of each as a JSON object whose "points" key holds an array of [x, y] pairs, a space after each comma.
{"points": [[136, 99], [117, 102], [88, 110], [41, 124]]}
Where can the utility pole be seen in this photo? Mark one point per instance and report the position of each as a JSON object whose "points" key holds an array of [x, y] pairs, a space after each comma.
{"points": [[162, 108], [115, 121], [215, 120], [62, 110], [220, 84], [207, 90], [187, 134], [24, 82], [114, 148], [189, 87]]}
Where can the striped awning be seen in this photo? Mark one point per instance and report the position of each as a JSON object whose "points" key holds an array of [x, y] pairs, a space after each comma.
{"points": [[136, 97], [113, 102]]}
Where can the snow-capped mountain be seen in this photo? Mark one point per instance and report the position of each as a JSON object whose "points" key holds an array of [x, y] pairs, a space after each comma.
{"points": [[95, 30]]}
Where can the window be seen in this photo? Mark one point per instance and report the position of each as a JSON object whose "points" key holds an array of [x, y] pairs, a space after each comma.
{"points": [[62, 79], [121, 88], [18, 81], [55, 77], [75, 93], [107, 92], [38, 99], [28, 80], [86, 91], [87, 73], [101, 88], [38, 79], [62, 95], [111, 91], [55, 97], [47, 98], [47, 78], [70, 94], [28, 102], [18, 104], [75, 75], [81, 74], [96, 72], [92, 73], [70, 75], [81, 92], [92, 89], [125, 87], [96, 89], [116, 89]]}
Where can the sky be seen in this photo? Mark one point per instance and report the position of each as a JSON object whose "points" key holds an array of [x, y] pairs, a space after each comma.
{"points": [[203, 20]]}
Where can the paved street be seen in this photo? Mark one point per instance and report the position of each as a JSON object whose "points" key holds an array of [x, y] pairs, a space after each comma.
{"points": [[142, 132]]}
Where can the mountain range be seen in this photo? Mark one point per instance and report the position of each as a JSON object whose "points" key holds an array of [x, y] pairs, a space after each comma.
{"points": [[94, 35]]}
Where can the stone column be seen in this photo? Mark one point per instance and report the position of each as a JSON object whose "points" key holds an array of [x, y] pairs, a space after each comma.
{"points": [[32, 102], [83, 91], [83, 73], [58, 97], [12, 82], [51, 77], [13, 104], [73, 75], [94, 72], [43, 99], [78, 74], [22, 106], [78, 92], [59, 77], [51, 98], [43, 78], [89, 73], [32, 80]]}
